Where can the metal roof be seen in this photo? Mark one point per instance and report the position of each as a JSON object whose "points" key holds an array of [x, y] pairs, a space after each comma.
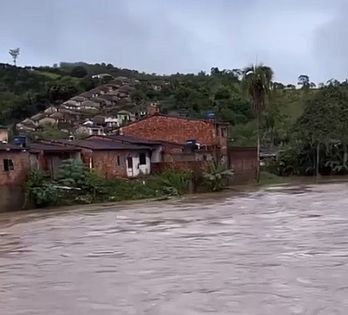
{"points": [[10, 147], [51, 147], [97, 144]]}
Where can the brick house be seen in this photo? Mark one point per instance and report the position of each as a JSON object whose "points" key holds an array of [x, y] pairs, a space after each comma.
{"points": [[162, 151], [49, 157], [14, 165], [209, 134], [112, 159]]}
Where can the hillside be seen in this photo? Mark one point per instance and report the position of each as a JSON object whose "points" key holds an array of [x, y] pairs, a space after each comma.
{"points": [[25, 92]]}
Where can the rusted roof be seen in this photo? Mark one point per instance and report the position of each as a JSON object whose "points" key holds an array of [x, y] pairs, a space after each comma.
{"points": [[50, 147], [104, 145]]}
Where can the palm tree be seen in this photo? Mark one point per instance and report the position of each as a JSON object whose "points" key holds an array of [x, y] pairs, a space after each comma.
{"points": [[257, 81]]}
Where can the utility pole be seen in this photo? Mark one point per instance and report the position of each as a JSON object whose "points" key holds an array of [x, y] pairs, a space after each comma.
{"points": [[318, 159]]}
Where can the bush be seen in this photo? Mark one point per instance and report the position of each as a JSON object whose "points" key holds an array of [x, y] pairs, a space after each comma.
{"points": [[40, 191], [217, 176]]}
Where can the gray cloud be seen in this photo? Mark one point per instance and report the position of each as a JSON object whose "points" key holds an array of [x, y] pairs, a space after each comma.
{"points": [[167, 36], [330, 47]]}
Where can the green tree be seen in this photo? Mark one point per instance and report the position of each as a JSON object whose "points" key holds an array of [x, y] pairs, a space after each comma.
{"points": [[324, 121], [79, 72], [257, 81]]}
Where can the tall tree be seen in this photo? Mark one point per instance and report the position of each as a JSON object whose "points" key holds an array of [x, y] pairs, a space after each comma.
{"points": [[257, 82], [14, 53], [303, 80]]}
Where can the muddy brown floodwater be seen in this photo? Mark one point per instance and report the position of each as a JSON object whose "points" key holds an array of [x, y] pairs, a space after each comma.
{"points": [[274, 251]]}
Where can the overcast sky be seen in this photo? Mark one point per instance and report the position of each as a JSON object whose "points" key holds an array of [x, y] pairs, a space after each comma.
{"points": [[292, 36]]}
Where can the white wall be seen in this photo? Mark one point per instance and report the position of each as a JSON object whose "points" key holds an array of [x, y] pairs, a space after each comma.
{"points": [[137, 168]]}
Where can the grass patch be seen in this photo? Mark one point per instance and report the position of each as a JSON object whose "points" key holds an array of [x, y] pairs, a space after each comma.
{"points": [[49, 75], [267, 178]]}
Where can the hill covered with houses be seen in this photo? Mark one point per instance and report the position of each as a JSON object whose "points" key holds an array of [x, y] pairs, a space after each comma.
{"points": [[81, 98], [98, 111]]}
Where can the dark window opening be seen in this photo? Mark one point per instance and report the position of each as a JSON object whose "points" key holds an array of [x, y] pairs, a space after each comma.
{"points": [[118, 161], [142, 159], [204, 157], [130, 162], [8, 165], [223, 132]]}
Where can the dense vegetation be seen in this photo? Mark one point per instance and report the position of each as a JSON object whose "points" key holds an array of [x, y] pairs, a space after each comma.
{"points": [[76, 184], [307, 125], [25, 91]]}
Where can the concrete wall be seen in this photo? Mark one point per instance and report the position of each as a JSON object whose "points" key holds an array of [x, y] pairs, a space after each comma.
{"points": [[135, 169]]}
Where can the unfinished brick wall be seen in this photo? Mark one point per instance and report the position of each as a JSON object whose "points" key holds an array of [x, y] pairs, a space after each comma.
{"points": [[174, 129], [243, 161], [105, 163], [21, 165]]}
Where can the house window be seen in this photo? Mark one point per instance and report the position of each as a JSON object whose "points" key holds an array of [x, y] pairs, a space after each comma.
{"points": [[118, 161], [223, 132], [8, 165], [142, 159]]}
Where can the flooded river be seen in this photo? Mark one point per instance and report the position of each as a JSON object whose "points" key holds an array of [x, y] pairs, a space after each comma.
{"points": [[273, 251]]}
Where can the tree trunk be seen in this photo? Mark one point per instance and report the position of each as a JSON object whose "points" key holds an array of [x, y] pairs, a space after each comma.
{"points": [[258, 173]]}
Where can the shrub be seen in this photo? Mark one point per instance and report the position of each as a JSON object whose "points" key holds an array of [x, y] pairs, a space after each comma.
{"points": [[216, 177], [40, 191]]}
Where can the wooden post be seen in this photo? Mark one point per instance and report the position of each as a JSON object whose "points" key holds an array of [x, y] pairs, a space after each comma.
{"points": [[258, 149]]}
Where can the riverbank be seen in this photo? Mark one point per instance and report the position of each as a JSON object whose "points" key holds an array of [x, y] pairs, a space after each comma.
{"points": [[161, 189], [268, 181]]}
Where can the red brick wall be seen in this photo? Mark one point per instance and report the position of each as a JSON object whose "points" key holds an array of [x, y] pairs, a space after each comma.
{"points": [[244, 163], [174, 129], [194, 166], [21, 168], [105, 162]]}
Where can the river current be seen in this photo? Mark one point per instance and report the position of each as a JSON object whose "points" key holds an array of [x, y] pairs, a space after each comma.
{"points": [[277, 251]]}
